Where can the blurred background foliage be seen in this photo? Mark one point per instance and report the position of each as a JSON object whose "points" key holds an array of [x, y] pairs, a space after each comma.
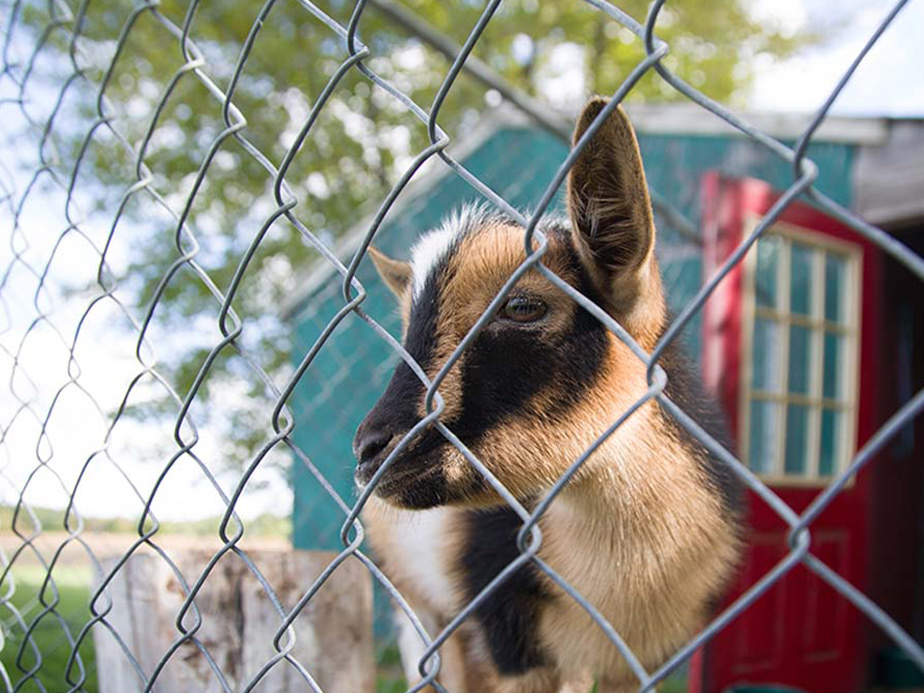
{"points": [[558, 52]]}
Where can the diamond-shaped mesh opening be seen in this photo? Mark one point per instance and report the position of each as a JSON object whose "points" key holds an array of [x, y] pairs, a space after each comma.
{"points": [[190, 331]]}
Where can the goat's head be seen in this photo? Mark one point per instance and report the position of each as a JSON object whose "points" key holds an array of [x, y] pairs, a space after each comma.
{"points": [[544, 377]]}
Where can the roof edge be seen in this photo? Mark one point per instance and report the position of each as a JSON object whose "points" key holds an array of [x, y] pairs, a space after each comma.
{"points": [[427, 176], [651, 119], [692, 119]]}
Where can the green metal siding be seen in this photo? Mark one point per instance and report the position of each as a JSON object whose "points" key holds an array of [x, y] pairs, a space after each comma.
{"points": [[351, 371]]}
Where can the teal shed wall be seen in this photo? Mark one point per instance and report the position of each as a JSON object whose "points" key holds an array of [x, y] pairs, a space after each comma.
{"points": [[351, 371]]}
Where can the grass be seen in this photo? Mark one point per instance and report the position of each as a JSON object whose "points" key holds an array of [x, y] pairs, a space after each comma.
{"points": [[675, 683], [48, 635], [390, 677]]}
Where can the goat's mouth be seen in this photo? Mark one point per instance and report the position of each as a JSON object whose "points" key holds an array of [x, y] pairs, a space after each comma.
{"points": [[419, 489], [417, 465]]}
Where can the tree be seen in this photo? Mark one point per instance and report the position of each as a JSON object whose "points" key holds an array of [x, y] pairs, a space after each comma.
{"points": [[360, 145]]}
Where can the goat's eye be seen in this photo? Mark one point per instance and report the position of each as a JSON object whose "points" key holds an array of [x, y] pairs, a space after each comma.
{"points": [[523, 309]]}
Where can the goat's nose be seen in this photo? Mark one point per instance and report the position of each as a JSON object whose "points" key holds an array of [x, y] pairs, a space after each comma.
{"points": [[368, 444]]}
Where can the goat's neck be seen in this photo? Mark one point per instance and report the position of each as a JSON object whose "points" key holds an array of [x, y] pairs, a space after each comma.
{"points": [[627, 508]]}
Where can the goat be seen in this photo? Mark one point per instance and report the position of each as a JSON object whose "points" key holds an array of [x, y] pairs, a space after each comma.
{"points": [[647, 530]]}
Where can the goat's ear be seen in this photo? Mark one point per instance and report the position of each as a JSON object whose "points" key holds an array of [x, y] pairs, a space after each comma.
{"points": [[395, 273], [608, 202]]}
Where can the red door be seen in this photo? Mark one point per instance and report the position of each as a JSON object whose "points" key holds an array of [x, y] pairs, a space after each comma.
{"points": [[790, 348]]}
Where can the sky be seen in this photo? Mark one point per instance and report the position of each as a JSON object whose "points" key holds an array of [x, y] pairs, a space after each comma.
{"points": [[889, 83]]}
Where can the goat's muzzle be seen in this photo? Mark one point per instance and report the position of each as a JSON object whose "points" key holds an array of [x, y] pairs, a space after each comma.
{"points": [[370, 447]]}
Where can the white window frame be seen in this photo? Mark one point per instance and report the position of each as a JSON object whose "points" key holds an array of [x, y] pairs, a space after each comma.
{"points": [[849, 331]]}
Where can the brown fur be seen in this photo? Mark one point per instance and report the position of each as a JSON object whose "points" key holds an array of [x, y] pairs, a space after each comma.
{"points": [[603, 197], [640, 531]]}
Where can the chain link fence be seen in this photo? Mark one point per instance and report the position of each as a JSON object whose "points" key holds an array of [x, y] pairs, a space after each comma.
{"points": [[103, 416]]}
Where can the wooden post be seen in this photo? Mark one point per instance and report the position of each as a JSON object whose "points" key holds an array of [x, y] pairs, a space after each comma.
{"points": [[333, 632]]}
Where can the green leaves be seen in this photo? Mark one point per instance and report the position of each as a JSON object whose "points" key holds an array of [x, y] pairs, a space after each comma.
{"points": [[358, 147]]}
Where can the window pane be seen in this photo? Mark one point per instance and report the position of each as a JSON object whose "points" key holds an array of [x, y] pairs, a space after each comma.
{"points": [[835, 287], [831, 370], [762, 447], [768, 260], [766, 356], [800, 343], [830, 441], [800, 300], [796, 459]]}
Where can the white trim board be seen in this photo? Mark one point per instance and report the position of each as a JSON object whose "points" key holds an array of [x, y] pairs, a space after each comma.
{"points": [[691, 119]]}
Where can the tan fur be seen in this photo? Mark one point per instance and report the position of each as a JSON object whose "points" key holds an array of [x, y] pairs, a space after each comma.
{"points": [[395, 273], [638, 531], [651, 513], [639, 501]]}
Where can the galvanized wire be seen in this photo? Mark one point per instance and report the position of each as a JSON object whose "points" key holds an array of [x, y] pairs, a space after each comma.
{"points": [[66, 23]]}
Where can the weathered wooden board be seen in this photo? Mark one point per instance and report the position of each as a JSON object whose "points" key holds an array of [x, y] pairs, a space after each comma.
{"points": [[333, 633]]}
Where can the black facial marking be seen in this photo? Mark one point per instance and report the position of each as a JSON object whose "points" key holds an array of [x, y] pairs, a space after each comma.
{"points": [[398, 407], [421, 333], [584, 349], [510, 615], [504, 370], [413, 479]]}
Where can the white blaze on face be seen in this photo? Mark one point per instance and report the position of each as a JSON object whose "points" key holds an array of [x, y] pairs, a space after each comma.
{"points": [[427, 253], [434, 245]]}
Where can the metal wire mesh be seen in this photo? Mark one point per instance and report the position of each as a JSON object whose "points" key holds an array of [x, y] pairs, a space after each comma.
{"points": [[43, 258]]}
